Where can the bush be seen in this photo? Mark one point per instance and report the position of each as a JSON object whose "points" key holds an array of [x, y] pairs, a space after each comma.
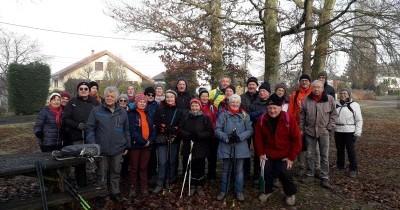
{"points": [[28, 86], [363, 95]]}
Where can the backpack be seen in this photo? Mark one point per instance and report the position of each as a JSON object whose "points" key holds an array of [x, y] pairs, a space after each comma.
{"points": [[77, 150], [351, 110]]}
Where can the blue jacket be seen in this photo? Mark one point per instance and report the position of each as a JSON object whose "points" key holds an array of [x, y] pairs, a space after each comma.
{"points": [[109, 129], [226, 122], [135, 129], [46, 123], [152, 108]]}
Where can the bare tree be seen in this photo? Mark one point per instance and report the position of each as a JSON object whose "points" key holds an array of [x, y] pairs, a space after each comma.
{"points": [[114, 75], [87, 73]]}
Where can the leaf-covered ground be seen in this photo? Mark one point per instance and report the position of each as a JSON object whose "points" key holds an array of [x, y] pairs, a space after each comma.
{"points": [[377, 185]]}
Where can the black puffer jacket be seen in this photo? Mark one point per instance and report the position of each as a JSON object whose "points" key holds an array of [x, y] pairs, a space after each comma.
{"points": [[202, 129], [46, 123], [183, 101], [76, 111], [257, 109], [165, 122]]}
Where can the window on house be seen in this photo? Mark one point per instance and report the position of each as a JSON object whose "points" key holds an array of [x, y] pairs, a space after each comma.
{"points": [[98, 66], [56, 83]]}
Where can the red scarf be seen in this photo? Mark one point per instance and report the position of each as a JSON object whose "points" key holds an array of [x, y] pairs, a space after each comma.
{"points": [[316, 98], [57, 113], [233, 111]]}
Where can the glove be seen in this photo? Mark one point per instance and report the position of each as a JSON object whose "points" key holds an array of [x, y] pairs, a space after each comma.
{"points": [[39, 134], [82, 126], [234, 138]]}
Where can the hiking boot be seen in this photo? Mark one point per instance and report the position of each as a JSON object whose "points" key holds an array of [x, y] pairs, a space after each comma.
{"points": [[132, 193], [118, 198], [290, 200], [157, 189], [240, 196], [307, 179], [352, 174], [200, 191], [325, 184], [263, 197], [221, 196], [192, 191]]}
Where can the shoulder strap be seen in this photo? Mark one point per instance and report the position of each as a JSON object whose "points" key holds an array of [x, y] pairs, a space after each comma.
{"points": [[352, 111], [216, 94], [173, 117]]}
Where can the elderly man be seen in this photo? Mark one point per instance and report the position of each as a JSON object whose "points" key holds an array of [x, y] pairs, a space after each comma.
{"points": [[317, 119], [218, 94], [108, 126]]}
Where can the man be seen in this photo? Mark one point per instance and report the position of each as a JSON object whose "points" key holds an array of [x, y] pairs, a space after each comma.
{"points": [[251, 94], [130, 91], [183, 99], [94, 91], [317, 119], [160, 96], [151, 109], [74, 117], [278, 141], [323, 77], [108, 126], [218, 94]]}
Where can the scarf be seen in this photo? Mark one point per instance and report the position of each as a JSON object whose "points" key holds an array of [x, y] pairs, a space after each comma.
{"points": [[195, 114], [233, 111], [57, 113], [316, 98], [144, 124]]}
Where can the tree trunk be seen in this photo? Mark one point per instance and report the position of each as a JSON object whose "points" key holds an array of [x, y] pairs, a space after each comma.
{"points": [[272, 41], [216, 43], [307, 47]]}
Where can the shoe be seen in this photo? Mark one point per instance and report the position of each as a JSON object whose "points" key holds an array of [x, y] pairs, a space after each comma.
{"points": [[221, 196], [290, 200], [192, 191], [157, 189], [240, 196], [263, 197], [118, 198], [317, 173], [132, 193], [325, 184], [145, 192], [200, 191], [307, 179], [275, 182], [352, 174]]}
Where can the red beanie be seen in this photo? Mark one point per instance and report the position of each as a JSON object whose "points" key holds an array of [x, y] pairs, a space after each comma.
{"points": [[140, 96]]}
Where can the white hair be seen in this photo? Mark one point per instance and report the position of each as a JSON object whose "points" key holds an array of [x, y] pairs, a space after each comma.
{"points": [[234, 97], [111, 89], [317, 82]]}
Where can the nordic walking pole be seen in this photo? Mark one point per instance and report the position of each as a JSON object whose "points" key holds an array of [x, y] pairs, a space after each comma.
{"points": [[234, 162], [39, 166], [190, 165], [229, 167], [187, 168], [262, 179], [168, 173], [85, 205]]}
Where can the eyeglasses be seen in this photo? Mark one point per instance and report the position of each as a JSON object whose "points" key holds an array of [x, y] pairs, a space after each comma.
{"points": [[122, 100], [83, 89], [150, 95]]}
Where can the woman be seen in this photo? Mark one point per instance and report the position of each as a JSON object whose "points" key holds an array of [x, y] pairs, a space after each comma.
{"points": [[166, 123], [230, 90], [143, 135], [123, 101], [65, 97], [48, 125], [280, 90], [196, 128], [348, 128], [233, 128]]}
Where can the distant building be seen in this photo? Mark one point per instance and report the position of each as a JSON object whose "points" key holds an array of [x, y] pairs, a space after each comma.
{"points": [[159, 78]]}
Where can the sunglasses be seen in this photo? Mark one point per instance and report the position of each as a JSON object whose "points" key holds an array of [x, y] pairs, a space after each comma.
{"points": [[122, 100], [150, 95], [83, 89]]}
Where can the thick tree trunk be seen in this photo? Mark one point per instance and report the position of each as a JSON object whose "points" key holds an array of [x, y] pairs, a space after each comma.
{"points": [[308, 47], [272, 41], [216, 43]]}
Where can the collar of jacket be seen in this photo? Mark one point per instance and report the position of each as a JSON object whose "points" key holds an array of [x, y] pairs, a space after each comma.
{"points": [[116, 107], [323, 99]]}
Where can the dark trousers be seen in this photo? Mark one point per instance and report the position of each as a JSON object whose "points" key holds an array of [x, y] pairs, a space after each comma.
{"points": [[212, 159], [278, 168], [50, 148], [345, 141], [198, 171], [152, 169], [125, 166], [139, 163]]}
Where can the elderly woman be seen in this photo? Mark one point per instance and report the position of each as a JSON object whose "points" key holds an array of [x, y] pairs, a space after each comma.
{"points": [[348, 128], [233, 128], [223, 105], [123, 101], [48, 125]]}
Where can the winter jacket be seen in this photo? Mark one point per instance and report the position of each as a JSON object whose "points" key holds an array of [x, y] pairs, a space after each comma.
{"points": [[135, 129], [294, 106], [226, 123], [348, 121], [183, 101], [257, 109], [318, 118], [165, 116], [210, 110], [223, 106], [286, 143], [109, 129], [151, 108], [46, 123], [329, 90], [76, 111], [247, 100], [216, 96], [200, 126]]}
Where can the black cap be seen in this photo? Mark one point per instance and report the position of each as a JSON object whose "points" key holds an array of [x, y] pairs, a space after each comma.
{"points": [[305, 76], [265, 86], [202, 90], [82, 83], [93, 83], [274, 100], [252, 79], [149, 90], [230, 87]]}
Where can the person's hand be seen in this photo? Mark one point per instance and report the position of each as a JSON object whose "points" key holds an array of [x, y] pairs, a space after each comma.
{"points": [[82, 126], [147, 144], [289, 163], [263, 158], [125, 152], [39, 134]]}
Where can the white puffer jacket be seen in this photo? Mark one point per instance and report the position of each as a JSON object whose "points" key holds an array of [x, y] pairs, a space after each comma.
{"points": [[348, 121]]}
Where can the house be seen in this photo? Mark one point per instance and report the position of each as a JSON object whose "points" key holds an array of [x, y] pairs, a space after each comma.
{"points": [[93, 68]]}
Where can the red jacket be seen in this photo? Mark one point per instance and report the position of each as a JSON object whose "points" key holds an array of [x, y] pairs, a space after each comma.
{"points": [[286, 143], [211, 111]]}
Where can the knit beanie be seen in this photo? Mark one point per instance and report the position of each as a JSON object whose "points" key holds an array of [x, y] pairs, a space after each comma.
{"points": [[54, 95], [265, 86], [82, 83], [202, 90], [93, 83], [139, 97], [347, 90], [274, 100], [230, 87], [323, 74], [158, 85], [252, 79], [123, 95], [195, 100], [66, 94], [172, 92], [305, 76], [149, 90]]}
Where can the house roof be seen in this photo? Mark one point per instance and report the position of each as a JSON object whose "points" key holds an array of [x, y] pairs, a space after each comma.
{"points": [[159, 76], [93, 57]]}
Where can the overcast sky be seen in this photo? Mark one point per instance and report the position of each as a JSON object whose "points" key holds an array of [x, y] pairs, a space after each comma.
{"points": [[81, 17]]}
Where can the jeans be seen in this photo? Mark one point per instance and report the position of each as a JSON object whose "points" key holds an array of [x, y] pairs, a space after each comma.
{"points": [[345, 141], [278, 168], [323, 143], [227, 168], [109, 169], [139, 163], [164, 166]]}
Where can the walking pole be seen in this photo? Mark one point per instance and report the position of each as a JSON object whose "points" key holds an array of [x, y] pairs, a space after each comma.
{"points": [[262, 179], [187, 168], [39, 172], [230, 167], [168, 173], [234, 163], [85, 205], [190, 165]]}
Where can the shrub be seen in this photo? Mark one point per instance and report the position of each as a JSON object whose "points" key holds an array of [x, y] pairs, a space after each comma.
{"points": [[363, 95]]}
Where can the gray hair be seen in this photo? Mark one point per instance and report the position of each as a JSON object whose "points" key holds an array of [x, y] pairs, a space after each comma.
{"points": [[234, 97], [317, 82], [123, 95], [111, 89]]}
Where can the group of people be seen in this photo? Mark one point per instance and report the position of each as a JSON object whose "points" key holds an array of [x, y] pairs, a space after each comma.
{"points": [[149, 131]]}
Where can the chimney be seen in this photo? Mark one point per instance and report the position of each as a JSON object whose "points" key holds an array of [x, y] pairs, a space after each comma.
{"points": [[92, 52]]}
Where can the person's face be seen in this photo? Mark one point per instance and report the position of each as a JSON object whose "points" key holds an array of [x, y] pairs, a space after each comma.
{"points": [[55, 102], [225, 82], [141, 104], [110, 99], [263, 94], [234, 105], [181, 86], [317, 89], [274, 110], [252, 87], [195, 107], [170, 98], [228, 92], [322, 79], [280, 92], [204, 97], [150, 97], [130, 91], [83, 91], [305, 83], [93, 91], [159, 91], [123, 102], [64, 101], [344, 95]]}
